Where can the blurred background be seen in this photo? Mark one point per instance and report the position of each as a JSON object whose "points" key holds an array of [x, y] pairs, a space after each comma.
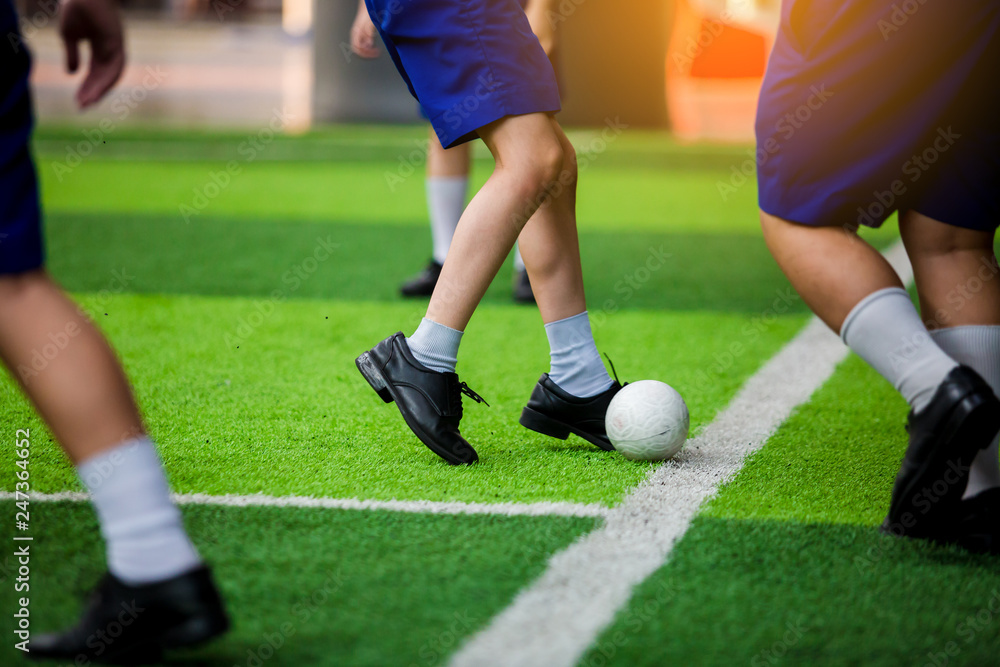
{"points": [[691, 66]]}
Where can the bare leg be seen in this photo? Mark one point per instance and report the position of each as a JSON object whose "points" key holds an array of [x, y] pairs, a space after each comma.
{"points": [[831, 268], [451, 162], [959, 285], [550, 245], [954, 270], [529, 158], [81, 392]]}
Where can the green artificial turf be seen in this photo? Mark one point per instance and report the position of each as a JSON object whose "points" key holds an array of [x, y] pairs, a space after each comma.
{"points": [[763, 592], [792, 543], [613, 199], [248, 396], [325, 587], [641, 181], [833, 461], [138, 253]]}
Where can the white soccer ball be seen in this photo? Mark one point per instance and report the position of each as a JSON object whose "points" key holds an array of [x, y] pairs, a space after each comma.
{"points": [[647, 421]]}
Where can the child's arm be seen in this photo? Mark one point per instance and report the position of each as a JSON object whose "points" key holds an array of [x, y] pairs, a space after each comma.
{"points": [[538, 12], [96, 22], [363, 33]]}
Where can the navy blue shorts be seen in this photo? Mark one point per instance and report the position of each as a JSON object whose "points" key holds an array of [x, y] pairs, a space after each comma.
{"points": [[873, 106], [468, 62], [20, 217]]}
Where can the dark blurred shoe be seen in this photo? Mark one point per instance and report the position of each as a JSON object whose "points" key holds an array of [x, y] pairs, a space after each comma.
{"points": [[522, 288], [553, 412], [125, 624], [978, 529], [430, 401], [423, 283], [961, 419]]}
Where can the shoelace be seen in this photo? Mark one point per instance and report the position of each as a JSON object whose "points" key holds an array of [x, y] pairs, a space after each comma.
{"points": [[455, 398], [613, 371], [464, 388]]}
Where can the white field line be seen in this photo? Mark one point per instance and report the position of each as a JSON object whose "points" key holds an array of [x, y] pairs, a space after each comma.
{"points": [[554, 621], [414, 506]]}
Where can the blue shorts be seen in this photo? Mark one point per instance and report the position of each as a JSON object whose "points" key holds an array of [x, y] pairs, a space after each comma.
{"points": [[468, 62], [20, 217], [873, 106]]}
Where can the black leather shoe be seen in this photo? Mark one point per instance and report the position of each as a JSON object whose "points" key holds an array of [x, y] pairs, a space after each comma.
{"points": [[430, 402], [553, 412], [961, 419], [423, 283], [978, 528], [522, 288], [125, 624]]}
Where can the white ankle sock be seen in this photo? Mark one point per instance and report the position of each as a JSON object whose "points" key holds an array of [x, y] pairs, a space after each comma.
{"points": [[435, 346], [445, 204], [142, 528], [977, 347], [576, 363], [885, 330]]}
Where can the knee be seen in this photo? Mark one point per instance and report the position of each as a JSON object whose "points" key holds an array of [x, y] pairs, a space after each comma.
{"points": [[545, 173], [548, 166]]}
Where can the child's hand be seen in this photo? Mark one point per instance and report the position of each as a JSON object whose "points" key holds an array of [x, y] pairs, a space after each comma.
{"points": [[363, 34], [97, 22]]}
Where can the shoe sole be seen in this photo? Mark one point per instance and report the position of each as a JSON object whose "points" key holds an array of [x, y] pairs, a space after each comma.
{"points": [[374, 376], [961, 441], [536, 421], [371, 373], [193, 632]]}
